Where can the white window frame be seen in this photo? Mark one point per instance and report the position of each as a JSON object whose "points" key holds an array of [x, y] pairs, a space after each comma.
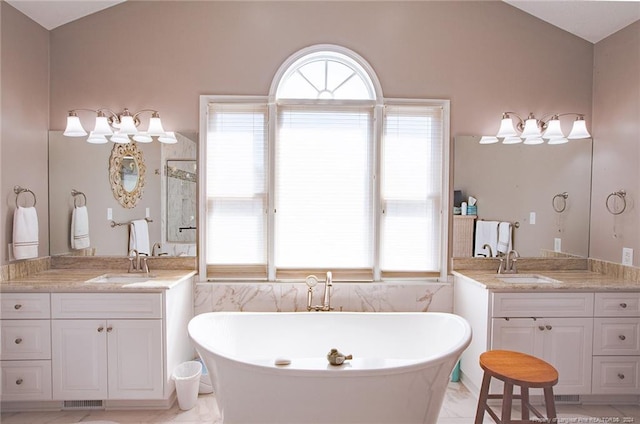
{"points": [[378, 105]]}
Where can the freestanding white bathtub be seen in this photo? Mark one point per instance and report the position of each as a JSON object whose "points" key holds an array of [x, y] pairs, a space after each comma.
{"points": [[399, 372]]}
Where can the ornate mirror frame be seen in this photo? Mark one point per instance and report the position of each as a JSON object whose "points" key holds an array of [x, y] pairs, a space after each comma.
{"points": [[127, 199]]}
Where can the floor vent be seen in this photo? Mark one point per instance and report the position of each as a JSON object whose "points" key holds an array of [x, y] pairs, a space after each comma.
{"points": [[567, 398], [83, 404]]}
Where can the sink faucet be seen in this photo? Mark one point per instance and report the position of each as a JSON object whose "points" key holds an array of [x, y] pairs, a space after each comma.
{"points": [[136, 263], [311, 281], [509, 263], [488, 247]]}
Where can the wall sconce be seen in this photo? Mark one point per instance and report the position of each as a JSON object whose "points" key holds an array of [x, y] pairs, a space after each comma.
{"points": [[536, 131], [120, 128]]}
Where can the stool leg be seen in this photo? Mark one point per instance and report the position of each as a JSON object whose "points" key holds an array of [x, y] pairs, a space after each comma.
{"points": [[524, 398], [550, 404], [507, 401], [482, 400]]}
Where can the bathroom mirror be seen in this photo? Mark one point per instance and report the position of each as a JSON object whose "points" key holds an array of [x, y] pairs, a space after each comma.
{"points": [[127, 173], [521, 183], [75, 164]]}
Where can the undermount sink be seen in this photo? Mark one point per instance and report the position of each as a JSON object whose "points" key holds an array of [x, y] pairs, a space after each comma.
{"points": [[526, 279], [121, 278]]}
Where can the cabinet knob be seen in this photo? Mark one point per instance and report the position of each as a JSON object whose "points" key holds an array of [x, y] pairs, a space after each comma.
{"points": [[17, 306], [109, 329], [548, 327], [18, 340], [622, 337], [541, 327], [19, 381], [623, 305], [621, 376], [100, 329]]}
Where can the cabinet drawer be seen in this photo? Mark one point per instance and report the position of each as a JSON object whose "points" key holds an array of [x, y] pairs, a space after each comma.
{"points": [[617, 304], [25, 339], [616, 336], [106, 305], [616, 375], [542, 305], [24, 306], [25, 380]]}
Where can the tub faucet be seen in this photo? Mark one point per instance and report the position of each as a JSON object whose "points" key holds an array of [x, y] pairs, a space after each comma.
{"points": [[136, 263], [311, 281], [508, 266]]}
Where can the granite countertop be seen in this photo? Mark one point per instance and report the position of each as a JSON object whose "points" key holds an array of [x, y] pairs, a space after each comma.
{"points": [[563, 281], [75, 280]]}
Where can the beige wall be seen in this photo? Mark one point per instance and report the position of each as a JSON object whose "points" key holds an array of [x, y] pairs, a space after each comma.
{"points": [[25, 121], [616, 132], [486, 57]]}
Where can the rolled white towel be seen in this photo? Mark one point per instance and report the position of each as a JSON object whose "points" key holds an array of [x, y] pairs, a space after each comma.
{"points": [[80, 228], [25, 233], [139, 236]]}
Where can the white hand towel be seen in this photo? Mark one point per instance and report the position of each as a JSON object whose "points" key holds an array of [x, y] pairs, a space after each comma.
{"points": [[80, 228], [504, 237], [25, 233], [139, 236], [486, 233]]}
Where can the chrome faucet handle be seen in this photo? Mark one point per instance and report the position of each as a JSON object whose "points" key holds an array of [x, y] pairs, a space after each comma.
{"points": [[144, 267], [133, 266], [501, 266]]}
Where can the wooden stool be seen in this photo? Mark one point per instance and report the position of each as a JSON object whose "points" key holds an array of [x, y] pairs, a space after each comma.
{"points": [[516, 369]]}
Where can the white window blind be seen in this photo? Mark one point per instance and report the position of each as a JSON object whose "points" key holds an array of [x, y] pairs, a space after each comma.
{"points": [[236, 227], [411, 188], [324, 188]]}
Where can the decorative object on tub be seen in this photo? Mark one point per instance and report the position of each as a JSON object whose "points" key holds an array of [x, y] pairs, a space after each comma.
{"points": [[139, 236], [336, 357], [25, 227], [79, 222], [126, 174], [119, 127], [559, 202], [612, 202], [535, 131]]}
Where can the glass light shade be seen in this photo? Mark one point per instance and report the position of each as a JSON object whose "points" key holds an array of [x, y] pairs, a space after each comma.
{"points": [[487, 139], [168, 138], [143, 138], [579, 130], [127, 125], [120, 138], [553, 130], [74, 127], [558, 140], [533, 140], [96, 138], [102, 126], [506, 128], [512, 140], [155, 127], [531, 128]]}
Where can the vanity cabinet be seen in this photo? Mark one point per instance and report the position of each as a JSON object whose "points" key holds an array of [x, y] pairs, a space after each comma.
{"points": [[25, 347], [107, 346], [537, 324], [616, 347]]}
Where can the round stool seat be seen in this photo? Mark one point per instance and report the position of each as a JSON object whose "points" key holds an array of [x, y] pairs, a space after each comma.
{"points": [[519, 368]]}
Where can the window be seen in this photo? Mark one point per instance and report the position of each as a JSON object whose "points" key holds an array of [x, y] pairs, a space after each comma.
{"points": [[324, 174]]}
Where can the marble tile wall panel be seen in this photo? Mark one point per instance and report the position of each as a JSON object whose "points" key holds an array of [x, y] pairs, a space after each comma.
{"points": [[353, 297]]}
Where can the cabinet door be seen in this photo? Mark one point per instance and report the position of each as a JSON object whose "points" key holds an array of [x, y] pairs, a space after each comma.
{"points": [[517, 334], [567, 345], [79, 359], [135, 359]]}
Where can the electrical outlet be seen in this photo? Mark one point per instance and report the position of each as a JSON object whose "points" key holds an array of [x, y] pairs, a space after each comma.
{"points": [[627, 256], [532, 218], [557, 244], [147, 213]]}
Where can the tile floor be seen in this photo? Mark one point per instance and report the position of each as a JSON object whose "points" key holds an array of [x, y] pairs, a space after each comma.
{"points": [[459, 408]]}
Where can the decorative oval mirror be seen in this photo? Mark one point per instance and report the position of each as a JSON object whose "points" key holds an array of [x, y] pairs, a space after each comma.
{"points": [[126, 173]]}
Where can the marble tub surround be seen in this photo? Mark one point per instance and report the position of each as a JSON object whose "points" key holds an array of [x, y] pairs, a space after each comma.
{"points": [[24, 268], [75, 280], [354, 297]]}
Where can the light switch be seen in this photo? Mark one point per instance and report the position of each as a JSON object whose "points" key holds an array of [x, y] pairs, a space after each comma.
{"points": [[147, 213], [109, 213], [627, 256], [557, 244], [532, 218]]}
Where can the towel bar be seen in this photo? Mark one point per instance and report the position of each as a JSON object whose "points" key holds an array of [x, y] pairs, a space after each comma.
{"points": [[620, 194], [19, 190], [117, 224], [75, 193], [562, 205]]}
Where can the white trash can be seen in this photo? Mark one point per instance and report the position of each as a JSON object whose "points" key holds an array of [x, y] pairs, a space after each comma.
{"points": [[187, 378]]}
